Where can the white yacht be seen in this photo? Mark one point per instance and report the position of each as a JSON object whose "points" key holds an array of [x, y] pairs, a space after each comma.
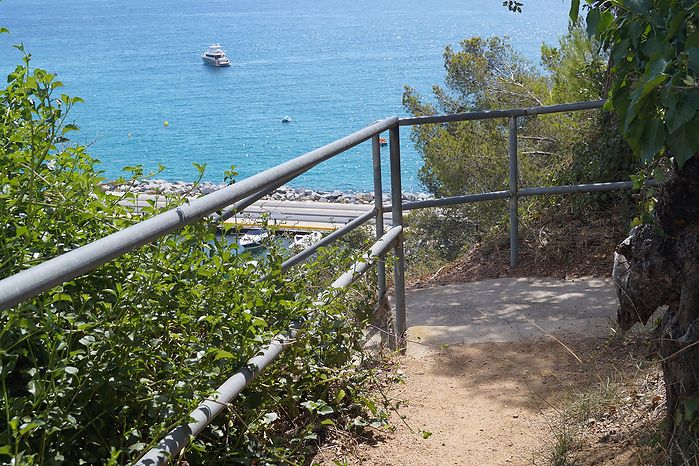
{"points": [[253, 239], [306, 240], [215, 56]]}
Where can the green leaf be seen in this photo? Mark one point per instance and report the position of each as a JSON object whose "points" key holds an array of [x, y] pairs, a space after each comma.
{"points": [[340, 395], [325, 409], [684, 142], [359, 422], [593, 20], [71, 370], [223, 354], [692, 40], [654, 46], [640, 7], [655, 68], [574, 11], [61, 297], [372, 406], [659, 175], [70, 127], [201, 168], [606, 20], [29, 426], [620, 50], [636, 31], [426, 434], [652, 139], [669, 97], [693, 59], [7, 363], [675, 24], [31, 82], [683, 111]]}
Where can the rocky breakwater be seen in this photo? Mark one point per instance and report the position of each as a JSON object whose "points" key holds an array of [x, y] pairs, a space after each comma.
{"points": [[284, 193]]}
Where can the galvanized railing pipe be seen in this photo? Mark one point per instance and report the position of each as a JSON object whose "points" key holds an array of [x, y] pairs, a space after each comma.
{"points": [[397, 213], [578, 188], [514, 186], [178, 438], [42, 277], [381, 247], [490, 114], [456, 200], [248, 201], [524, 192], [378, 208], [329, 239]]}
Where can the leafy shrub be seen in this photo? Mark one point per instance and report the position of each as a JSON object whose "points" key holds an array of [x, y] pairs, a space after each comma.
{"points": [[97, 369]]}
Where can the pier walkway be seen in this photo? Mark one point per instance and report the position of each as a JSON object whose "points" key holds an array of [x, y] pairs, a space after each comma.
{"points": [[287, 215], [304, 215]]}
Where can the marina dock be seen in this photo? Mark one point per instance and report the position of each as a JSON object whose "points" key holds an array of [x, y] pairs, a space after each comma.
{"points": [[286, 215]]}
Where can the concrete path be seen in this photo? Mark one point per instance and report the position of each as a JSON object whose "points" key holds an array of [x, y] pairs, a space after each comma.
{"points": [[508, 309]]}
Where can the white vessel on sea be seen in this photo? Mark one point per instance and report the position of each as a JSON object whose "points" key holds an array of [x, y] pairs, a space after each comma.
{"points": [[215, 56], [306, 240], [253, 239]]}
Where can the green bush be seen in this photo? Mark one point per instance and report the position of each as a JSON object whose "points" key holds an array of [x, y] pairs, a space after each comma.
{"points": [[96, 370]]}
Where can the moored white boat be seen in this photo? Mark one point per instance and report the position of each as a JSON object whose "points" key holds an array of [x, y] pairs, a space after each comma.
{"points": [[215, 56], [253, 239], [303, 241]]}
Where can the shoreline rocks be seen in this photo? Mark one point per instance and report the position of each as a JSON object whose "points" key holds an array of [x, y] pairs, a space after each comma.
{"points": [[283, 193]]}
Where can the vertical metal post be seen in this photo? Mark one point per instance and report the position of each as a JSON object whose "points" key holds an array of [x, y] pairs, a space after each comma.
{"points": [[514, 199], [378, 203], [397, 211]]}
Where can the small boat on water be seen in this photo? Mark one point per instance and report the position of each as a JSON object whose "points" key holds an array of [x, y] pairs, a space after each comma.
{"points": [[383, 141], [286, 119], [215, 56], [253, 239], [303, 241]]}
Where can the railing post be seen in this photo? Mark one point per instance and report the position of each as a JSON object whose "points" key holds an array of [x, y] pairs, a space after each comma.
{"points": [[514, 199], [378, 203], [397, 211]]}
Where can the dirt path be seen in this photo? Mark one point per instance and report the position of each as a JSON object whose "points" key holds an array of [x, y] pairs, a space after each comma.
{"points": [[492, 370], [481, 403], [485, 404]]}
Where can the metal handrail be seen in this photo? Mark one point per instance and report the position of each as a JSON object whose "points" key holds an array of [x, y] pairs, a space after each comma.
{"points": [[329, 239], [490, 114], [514, 192]]}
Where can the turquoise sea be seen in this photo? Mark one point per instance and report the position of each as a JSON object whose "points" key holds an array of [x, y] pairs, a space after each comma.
{"points": [[333, 66]]}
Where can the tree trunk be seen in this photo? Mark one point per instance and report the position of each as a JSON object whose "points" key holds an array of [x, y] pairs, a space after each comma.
{"points": [[658, 265]]}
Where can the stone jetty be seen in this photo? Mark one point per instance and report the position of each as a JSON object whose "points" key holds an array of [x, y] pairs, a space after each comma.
{"points": [[284, 193]]}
